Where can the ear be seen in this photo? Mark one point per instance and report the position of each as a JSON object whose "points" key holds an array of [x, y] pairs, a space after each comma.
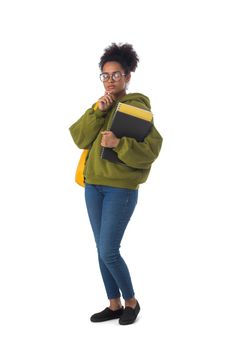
{"points": [[128, 77]]}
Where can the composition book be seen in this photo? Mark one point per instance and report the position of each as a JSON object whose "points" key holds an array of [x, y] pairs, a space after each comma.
{"points": [[131, 122]]}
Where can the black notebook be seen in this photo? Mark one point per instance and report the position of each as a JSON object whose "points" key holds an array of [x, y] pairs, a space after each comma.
{"points": [[131, 122]]}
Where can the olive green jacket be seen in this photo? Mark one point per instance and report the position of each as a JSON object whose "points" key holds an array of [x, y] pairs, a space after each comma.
{"points": [[137, 156]]}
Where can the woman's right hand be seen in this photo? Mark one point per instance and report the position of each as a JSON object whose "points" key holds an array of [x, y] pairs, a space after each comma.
{"points": [[105, 102]]}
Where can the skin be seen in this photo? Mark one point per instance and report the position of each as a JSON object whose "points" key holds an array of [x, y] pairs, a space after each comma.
{"points": [[113, 91]]}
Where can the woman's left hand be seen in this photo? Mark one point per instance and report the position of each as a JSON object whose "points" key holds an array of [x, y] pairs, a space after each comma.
{"points": [[109, 139]]}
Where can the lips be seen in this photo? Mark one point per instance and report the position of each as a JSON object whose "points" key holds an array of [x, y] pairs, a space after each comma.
{"points": [[111, 87]]}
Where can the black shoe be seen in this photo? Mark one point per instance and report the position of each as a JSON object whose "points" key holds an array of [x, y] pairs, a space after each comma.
{"points": [[106, 315], [129, 315]]}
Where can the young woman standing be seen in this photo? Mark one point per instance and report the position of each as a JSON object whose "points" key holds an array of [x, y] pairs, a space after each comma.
{"points": [[111, 189]]}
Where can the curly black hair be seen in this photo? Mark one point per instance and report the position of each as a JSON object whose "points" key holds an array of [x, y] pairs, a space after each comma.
{"points": [[121, 53]]}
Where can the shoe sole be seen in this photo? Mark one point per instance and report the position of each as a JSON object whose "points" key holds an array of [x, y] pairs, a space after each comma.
{"points": [[105, 319]]}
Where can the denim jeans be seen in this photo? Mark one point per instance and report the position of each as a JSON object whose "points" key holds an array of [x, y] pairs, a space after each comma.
{"points": [[109, 209]]}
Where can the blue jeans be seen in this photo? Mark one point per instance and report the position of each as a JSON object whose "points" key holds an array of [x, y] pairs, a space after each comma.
{"points": [[109, 209]]}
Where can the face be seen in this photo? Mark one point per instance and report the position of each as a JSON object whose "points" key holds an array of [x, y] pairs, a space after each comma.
{"points": [[116, 88]]}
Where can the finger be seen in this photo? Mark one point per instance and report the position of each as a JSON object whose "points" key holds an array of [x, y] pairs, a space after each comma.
{"points": [[110, 98], [103, 99], [103, 143], [107, 99], [108, 93]]}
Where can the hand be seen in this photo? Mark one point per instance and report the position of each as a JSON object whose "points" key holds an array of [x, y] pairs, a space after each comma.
{"points": [[109, 139], [106, 101]]}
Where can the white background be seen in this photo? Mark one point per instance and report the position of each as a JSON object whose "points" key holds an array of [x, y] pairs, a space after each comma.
{"points": [[178, 245]]}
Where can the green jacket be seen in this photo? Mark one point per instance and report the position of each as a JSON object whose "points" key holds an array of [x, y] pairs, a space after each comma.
{"points": [[137, 156]]}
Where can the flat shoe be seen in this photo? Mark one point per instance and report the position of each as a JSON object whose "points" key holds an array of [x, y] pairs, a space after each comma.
{"points": [[106, 315], [129, 315]]}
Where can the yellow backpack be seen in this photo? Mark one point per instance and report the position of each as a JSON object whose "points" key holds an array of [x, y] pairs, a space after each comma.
{"points": [[79, 177]]}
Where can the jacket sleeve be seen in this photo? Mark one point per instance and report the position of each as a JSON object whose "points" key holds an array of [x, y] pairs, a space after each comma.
{"points": [[140, 155], [85, 129]]}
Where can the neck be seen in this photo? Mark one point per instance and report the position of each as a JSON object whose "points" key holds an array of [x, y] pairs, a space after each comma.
{"points": [[120, 94]]}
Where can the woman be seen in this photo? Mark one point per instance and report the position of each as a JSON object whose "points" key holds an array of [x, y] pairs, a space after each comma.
{"points": [[111, 189]]}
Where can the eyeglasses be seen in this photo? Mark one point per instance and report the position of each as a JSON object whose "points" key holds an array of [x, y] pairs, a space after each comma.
{"points": [[116, 76]]}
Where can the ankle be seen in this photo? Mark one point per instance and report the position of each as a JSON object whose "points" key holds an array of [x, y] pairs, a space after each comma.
{"points": [[132, 302], [115, 304]]}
